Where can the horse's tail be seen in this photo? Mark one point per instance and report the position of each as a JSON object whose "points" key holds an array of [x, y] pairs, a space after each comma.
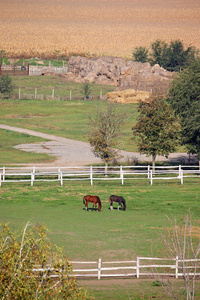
{"points": [[124, 204], [99, 204], [84, 200]]}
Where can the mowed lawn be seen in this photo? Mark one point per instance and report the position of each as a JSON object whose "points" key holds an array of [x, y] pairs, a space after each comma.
{"points": [[110, 235], [107, 234]]}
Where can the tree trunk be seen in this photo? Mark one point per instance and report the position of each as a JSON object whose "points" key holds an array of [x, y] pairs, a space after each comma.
{"points": [[153, 162]]}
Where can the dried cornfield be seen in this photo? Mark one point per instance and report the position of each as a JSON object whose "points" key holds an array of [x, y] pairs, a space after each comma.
{"points": [[105, 27]]}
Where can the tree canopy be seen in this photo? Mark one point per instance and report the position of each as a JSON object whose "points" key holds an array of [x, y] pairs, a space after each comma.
{"points": [[157, 129], [172, 57], [104, 128], [184, 97], [27, 261]]}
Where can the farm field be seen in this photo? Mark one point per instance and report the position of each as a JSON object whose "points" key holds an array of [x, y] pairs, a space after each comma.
{"points": [[111, 235], [95, 27]]}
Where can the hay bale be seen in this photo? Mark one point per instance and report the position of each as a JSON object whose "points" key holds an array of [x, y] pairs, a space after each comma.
{"points": [[128, 96]]}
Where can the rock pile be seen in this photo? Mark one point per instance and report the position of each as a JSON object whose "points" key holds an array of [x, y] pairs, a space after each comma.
{"points": [[118, 72]]}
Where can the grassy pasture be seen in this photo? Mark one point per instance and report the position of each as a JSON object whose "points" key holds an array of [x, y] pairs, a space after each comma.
{"points": [[115, 235]]}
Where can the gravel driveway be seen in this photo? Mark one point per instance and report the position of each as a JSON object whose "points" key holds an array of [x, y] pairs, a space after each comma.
{"points": [[75, 153]]}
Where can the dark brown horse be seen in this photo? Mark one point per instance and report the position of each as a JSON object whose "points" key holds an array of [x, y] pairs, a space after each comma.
{"points": [[94, 199], [119, 199]]}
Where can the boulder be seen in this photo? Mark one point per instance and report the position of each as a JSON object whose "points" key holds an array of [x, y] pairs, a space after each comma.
{"points": [[118, 72]]}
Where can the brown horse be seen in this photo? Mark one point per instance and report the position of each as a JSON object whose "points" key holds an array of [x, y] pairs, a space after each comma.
{"points": [[121, 202], [94, 199]]}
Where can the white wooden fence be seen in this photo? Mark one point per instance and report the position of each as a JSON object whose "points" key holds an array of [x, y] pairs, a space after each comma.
{"points": [[141, 267], [120, 173]]}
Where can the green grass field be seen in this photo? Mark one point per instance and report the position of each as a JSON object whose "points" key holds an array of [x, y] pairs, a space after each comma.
{"points": [[115, 235], [111, 235]]}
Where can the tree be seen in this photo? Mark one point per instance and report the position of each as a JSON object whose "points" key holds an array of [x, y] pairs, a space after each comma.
{"points": [[159, 53], [157, 129], [182, 241], [28, 260], [172, 57], [86, 90], [105, 127], [6, 85], [184, 97], [140, 54]]}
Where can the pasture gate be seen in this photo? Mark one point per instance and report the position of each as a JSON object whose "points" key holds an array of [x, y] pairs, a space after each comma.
{"points": [[91, 174], [14, 70]]}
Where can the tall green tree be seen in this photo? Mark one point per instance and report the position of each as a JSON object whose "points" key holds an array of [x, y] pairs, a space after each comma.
{"points": [[173, 57], [157, 129], [140, 54], [184, 97], [104, 127], [159, 53]]}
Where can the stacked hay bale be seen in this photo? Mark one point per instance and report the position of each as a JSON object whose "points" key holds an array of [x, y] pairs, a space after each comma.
{"points": [[128, 96]]}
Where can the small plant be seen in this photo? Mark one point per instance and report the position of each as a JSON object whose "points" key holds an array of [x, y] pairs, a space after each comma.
{"points": [[6, 86], [86, 90]]}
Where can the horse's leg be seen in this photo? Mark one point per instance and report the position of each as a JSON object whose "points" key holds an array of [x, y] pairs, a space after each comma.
{"points": [[111, 205], [86, 205]]}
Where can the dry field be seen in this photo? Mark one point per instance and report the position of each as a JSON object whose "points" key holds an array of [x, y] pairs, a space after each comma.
{"points": [[99, 27]]}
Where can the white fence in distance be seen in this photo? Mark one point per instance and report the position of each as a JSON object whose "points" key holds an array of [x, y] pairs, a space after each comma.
{"points": [[91, 173], [141, 267]]}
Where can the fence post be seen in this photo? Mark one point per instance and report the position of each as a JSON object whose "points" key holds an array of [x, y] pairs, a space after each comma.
{"points": [[176, 267], [91, 180], [148, 171], [121, 175], [19, 93], [61, 179], [151, 173], [138, 267], [99, 269], [32, 179], [4, 173], [181, 177], [35, 93], [0, 179], [52, 93], [59, 172], [33, 173], [70, 95]]}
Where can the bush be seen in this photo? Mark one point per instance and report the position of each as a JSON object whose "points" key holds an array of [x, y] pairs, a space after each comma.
{"points": [[27, 263]]}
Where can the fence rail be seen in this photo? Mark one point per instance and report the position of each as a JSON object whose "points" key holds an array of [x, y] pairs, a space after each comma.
{"points": [[120, 173], [141, 267]]}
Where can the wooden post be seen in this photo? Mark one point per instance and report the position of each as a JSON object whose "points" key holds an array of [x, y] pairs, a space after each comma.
{"points": [[181, 177], [4, 173], [59, 173], [138, 267], [32, 179], [33, 173], [100, 94], [91, 180], [176, 267], [35, 93], [0, 179], [19, 93], [61, 179], [99, 269], [148, 171], [121, 175], [70, 95], [52, 93], [151, 173]]}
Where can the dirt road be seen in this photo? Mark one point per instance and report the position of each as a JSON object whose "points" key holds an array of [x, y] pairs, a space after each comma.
{"points": [[75, 153]]}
